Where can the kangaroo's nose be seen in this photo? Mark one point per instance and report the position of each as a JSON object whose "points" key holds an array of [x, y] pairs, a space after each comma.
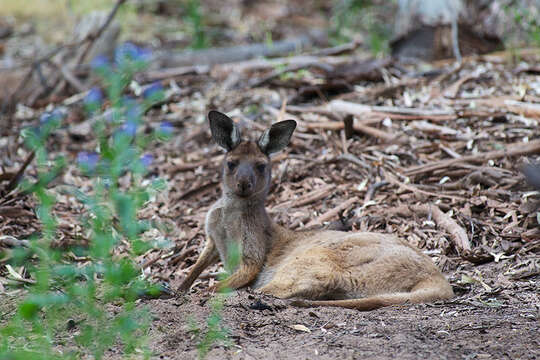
{"points": [[244, 186]]}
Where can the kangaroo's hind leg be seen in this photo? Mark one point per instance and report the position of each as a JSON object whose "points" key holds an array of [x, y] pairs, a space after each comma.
{"points": [[314, 275]]}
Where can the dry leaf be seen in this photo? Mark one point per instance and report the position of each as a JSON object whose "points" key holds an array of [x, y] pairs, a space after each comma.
{"points": [[299, 327]]}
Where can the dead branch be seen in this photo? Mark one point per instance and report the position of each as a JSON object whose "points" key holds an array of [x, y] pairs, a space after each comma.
{"points": [[457, 233], [414, 189], [516, 149], [278, 72], [92, 37], [18, 176], [162, 74], [354, 160], [308, 198], [453, 90], [523, 108], [10, 241], [373, 189], [379, 134], [223, 70], [333, 212], [337, 50], [231, 54], [360, 109], [67, 77], [14, 212]]}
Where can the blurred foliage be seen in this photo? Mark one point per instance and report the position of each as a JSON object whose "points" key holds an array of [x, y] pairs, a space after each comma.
{"points": [[352, 17], [68, 306], [194, 18], [526, 21], [215, 331]]}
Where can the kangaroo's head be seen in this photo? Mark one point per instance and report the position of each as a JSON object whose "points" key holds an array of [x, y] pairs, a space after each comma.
{"points": [[247, 167]]}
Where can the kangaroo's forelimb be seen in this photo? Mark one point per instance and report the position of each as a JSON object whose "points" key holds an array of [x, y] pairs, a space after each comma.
{"points": [[208, 257]]}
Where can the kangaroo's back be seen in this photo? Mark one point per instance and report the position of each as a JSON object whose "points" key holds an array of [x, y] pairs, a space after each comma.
{"points": [[333, 266]]}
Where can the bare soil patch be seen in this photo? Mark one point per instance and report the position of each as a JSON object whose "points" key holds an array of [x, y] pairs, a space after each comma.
{"points": [[500, 324]]}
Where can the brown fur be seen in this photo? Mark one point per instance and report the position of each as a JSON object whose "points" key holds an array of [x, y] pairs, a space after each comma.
{"points": [[363, 271]]}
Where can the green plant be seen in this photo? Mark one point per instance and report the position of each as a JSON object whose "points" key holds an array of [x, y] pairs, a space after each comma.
{"points": [[195, 19], [70, 296], [527, 22], [354, 16], [215, 331]]}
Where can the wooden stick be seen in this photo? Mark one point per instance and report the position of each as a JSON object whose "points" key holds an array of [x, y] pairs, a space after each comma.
{"points": [[17, 178], [91, 38], [10, 241], [308, 198], [261, 64], [523, 108], [236, 53], [516, 149], [393, 180], [162, 74], [360, 109], [371, 131], [333, 212]]}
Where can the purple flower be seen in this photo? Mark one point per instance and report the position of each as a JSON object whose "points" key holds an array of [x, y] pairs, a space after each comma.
{"points": [[45, 118], [129, 128], [94, 97], [165, 128], [153, 89], [147, 160], [50, 116], [130, 52], [145, 54], [99, 62], [133, 112], [88, 160]]}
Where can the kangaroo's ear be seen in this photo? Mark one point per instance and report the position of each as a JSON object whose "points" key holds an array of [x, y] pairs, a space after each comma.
{"points": [[277, 137], [224, 131]]}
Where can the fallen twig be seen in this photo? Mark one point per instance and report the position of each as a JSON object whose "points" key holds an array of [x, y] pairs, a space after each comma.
{"points": [[373, 188]]}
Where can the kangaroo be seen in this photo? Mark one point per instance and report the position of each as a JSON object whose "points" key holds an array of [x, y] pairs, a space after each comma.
{"points": [[363, 271]]}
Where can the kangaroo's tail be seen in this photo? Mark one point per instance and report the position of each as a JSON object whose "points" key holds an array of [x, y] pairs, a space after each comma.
{"points": [[423, 292]]}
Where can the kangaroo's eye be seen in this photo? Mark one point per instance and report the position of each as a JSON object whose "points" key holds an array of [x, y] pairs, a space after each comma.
{"points": [[231, 165], [261, 167]]}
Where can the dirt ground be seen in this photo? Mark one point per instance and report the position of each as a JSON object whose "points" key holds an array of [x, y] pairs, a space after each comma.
{"points": [[477, 324]]}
